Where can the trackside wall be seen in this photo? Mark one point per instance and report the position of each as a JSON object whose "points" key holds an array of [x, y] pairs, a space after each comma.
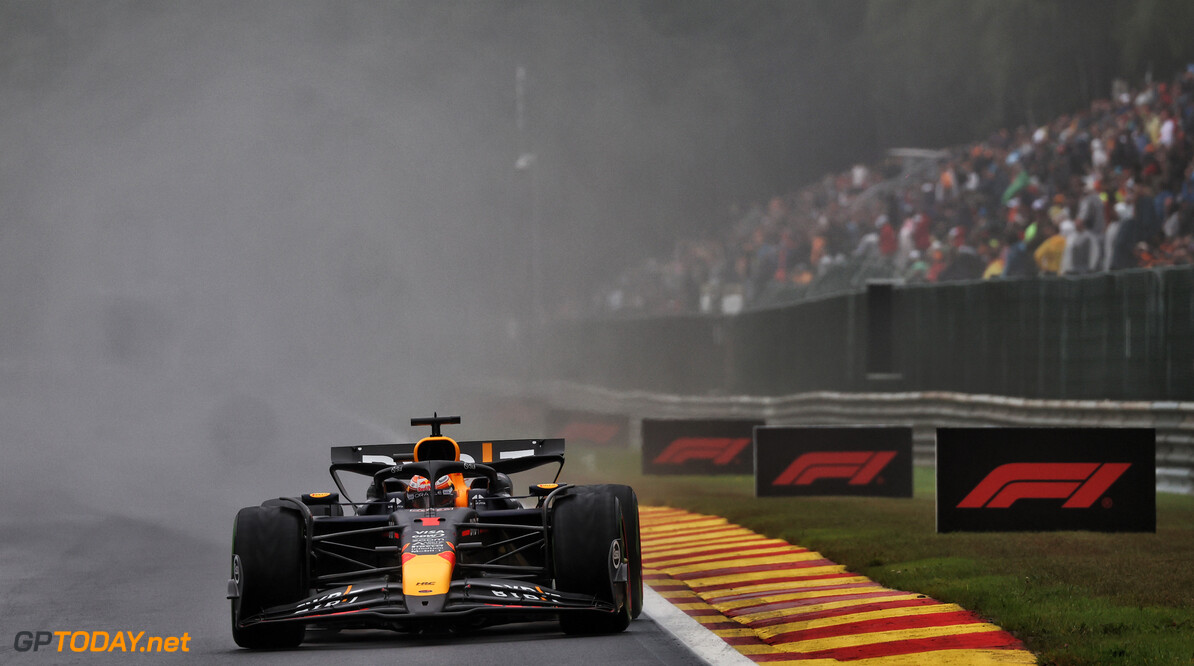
{"points": [[1126, 336]]}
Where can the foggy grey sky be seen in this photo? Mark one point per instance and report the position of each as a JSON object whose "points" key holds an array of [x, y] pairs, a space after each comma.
{"points": [[229, 230], [237, 232]]}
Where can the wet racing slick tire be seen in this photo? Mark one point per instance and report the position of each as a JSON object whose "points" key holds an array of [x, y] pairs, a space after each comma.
{"points": [[629, 503], [585, 524], [267, 548]]}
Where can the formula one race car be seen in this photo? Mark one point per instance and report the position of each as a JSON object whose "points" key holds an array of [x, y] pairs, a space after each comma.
{"points": [[440, 543]]}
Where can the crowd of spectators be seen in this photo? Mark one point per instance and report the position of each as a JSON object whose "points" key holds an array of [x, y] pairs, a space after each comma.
{"points": [[1105, 189]]}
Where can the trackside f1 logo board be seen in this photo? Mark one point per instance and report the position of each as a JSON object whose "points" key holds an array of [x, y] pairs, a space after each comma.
{"points": [[1036, 479], [697, 446], [828, 460]]}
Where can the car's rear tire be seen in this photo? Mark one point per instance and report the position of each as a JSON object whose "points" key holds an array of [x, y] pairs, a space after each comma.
{"points": [[585, 524], [267, 543]]}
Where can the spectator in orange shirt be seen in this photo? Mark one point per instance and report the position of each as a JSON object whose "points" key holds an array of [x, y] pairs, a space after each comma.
{"points": [[1145, 257]]}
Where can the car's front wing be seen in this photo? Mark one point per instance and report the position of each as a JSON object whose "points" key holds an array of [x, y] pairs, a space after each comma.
{"points": [[378, 602]]}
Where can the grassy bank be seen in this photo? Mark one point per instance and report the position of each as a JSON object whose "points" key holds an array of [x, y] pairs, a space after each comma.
{"points": [[1072, 597]]}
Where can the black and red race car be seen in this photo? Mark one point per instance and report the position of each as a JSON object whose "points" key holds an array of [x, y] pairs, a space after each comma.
{"points": [[440, 542]]}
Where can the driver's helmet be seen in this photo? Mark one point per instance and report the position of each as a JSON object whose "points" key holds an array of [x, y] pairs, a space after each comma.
{"points": [[420, 494]]}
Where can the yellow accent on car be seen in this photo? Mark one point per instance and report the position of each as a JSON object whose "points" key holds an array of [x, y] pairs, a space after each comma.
{"points": [[424, 575]]}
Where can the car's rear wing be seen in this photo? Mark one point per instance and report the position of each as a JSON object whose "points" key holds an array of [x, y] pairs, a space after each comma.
{"points": [[508, 456]]}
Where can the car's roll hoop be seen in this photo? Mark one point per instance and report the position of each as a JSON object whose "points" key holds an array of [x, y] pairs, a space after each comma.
{"points": [[435, 422]]}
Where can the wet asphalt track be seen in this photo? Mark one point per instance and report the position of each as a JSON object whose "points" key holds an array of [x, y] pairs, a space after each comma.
{"points": [[112, 573]]}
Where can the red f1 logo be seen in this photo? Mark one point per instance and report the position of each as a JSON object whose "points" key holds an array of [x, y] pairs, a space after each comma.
{"points": [[721, 450], [1079, 484], [861, 467]]}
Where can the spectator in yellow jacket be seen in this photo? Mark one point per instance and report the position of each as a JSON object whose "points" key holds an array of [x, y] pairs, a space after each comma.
{"points": [[1048, 255]]}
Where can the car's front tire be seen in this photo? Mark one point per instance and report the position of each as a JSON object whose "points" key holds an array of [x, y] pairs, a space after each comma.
{"points": [[628, 501], [586, 523], [267, 551]]}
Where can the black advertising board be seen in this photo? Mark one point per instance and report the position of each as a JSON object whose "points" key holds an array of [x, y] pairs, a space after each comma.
{"points": [[1037, 479], [832, 460], [588, 427], [697, 446]]}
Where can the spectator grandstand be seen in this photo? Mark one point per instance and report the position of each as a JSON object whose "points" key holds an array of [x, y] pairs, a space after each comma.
{"points": [[1108, 188]]}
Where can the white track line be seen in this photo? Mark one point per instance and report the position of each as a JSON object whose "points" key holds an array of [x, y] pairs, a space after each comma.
{"points": [[703, 643]]}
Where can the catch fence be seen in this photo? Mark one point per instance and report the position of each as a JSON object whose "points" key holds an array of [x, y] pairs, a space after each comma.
{"points": [[1125, 335]]}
